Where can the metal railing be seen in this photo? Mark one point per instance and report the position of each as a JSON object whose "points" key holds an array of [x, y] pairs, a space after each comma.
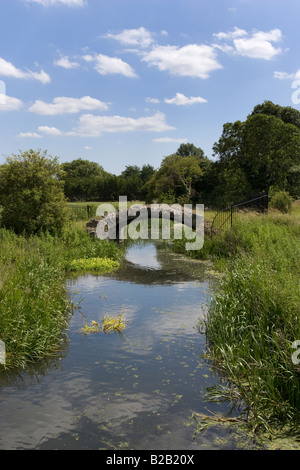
{"points": [[78, 212], [225, 217]]}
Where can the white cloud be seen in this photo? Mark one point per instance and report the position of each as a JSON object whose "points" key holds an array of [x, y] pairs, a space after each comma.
{"points": [[236, 33], [50, 130], [258, 45], [7, 69], [94, 126], [110, 65], [133, 37], [181, 100], [64, 105], [152, 100], [69, 3], [65, 62], [167, 140], [32, 135], [285, 75], [8, 103], [192, 60]]}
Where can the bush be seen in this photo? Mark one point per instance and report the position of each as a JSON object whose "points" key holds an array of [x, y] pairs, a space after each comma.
{"points": [[31, 194], [281, 201]]}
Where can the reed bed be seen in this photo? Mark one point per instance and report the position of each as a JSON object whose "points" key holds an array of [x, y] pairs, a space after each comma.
{"points": [[34, 304], [254, 317]]}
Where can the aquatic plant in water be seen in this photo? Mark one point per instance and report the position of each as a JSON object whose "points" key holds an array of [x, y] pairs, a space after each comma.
{"points": [[116, 324], [99, 265], [94, 327]]}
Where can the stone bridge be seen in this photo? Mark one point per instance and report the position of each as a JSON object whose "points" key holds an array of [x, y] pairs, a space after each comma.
{"points": [[111, 225]]}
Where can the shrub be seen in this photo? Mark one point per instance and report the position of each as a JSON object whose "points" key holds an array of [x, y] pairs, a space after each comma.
{"points": [[31, 194], [282, 201]]}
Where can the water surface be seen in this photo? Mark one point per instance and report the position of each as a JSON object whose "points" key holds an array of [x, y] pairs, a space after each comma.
{"points": [[137, 390]]}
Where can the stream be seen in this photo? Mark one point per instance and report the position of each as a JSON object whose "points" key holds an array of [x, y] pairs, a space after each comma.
{"points": [[136, 390]]}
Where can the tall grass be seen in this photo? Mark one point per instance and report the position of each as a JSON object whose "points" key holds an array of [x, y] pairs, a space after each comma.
{"points": [[34, 303], [255, 315]]}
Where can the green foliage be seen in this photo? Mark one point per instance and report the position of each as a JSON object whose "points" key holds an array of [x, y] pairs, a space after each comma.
{"points": [[177, 174], [293, 181], [254, 318], [287, 114], [31, 193], [82, 179], [133, 181], [78, 244], [282, 201], [96, 265], [262, 152], [34, 303], [189, 150], [270, 148]]}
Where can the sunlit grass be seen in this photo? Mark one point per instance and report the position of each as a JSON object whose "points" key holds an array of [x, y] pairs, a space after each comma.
{"points": [[254, 317]]}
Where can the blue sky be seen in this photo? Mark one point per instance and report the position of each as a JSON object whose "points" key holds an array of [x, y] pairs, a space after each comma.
{"points": [[123, 82]]}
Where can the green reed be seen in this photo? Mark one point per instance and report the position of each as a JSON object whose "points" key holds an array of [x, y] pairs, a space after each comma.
{"points": [[34, 303], [255, 316]]}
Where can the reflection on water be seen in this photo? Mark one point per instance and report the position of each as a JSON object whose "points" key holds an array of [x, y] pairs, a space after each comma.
{"points": [[144, 256], [132, 391]]}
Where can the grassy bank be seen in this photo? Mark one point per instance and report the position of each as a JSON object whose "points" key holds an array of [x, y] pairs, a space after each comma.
{"points": [[255, 316], [34, 303]]}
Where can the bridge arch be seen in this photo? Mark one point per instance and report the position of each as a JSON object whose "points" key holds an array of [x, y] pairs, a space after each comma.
{"points": [[115, 224]]}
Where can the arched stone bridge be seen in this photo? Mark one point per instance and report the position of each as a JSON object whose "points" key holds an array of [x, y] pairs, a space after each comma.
{"points": [[113, 223]]}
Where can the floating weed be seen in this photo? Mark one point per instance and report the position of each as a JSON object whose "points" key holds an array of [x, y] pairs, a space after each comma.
{"points": [[116, 324], [98, 265], [94, 327]]}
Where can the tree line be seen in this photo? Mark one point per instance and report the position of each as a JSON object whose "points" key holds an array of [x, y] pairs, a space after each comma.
{"points": [[258, 155]]}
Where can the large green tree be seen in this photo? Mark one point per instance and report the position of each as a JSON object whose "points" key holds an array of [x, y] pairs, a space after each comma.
{"points": [[259, 153], [287, 114], [31, 193], [82, 179], [190, 150], [176, 178]]}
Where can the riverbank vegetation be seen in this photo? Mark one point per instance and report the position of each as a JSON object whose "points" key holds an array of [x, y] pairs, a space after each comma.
{"points": [[254, 318], [34, 303]]}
